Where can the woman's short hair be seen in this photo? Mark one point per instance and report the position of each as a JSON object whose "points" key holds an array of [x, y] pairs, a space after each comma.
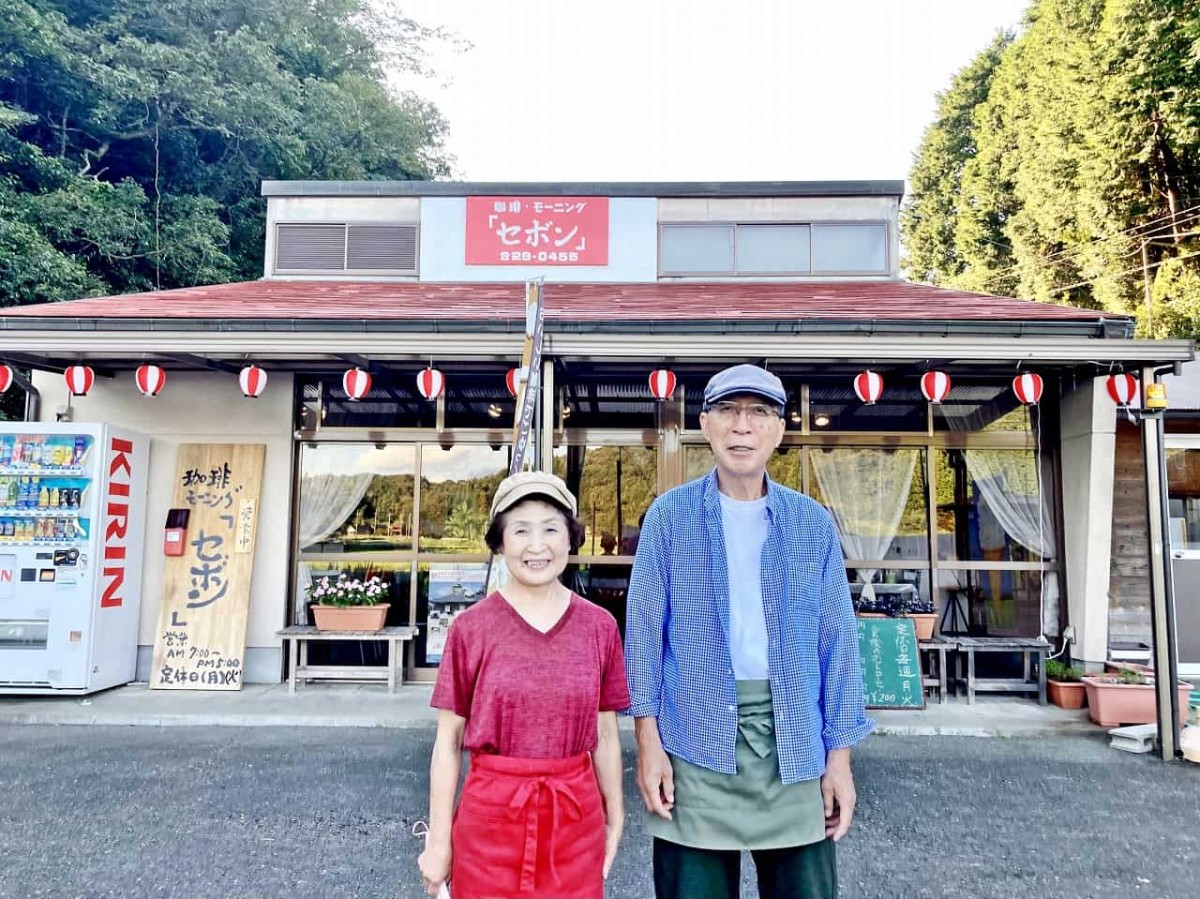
{"points": [[494, 538]]}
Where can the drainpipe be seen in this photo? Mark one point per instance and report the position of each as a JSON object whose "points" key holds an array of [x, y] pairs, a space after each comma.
{"points": [[1162, 588], [33, 397]]}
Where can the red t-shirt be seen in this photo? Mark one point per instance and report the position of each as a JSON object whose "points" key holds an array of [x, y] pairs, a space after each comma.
{"points": [[529, 694]]}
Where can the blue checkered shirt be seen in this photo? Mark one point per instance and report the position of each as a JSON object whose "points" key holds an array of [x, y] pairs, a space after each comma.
{"points": [[677, 632]]}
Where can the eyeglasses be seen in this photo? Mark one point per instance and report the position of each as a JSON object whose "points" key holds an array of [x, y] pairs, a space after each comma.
{"points": [[758, 414]]}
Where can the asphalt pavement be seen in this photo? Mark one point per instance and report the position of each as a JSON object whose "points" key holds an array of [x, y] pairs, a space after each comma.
{"points": [[202, 812]]}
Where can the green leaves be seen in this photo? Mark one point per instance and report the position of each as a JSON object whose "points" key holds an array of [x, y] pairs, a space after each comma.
{"points": [[134, 135], [1081, 146]]}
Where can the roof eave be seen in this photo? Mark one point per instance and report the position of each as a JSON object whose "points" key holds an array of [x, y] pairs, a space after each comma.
{"points": [[700, 189]]}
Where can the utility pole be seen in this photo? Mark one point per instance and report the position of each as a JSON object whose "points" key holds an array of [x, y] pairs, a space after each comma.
{"points": [[1146, 286]]}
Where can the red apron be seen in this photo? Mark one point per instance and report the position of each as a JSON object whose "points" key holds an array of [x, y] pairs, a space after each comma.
{"points": [[528, 828]]}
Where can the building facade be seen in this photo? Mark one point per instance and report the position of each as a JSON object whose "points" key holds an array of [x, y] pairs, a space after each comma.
{"points": [[998, 511]]}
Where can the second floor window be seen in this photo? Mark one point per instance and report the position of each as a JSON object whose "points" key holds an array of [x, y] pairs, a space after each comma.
{"points": [[841, 248]]}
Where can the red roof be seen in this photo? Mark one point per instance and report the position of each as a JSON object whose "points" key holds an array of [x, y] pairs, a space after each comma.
{"points": [[290, 299]]}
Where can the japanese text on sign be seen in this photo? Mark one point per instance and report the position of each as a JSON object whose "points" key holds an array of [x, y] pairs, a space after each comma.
{"points": [[537, 231]]}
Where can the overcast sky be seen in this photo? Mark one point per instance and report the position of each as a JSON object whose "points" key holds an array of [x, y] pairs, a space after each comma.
{"points": [[679, 90]]}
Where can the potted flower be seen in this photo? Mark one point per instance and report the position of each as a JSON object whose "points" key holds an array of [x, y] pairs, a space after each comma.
{"points": [[1125, 697], [1065, 684], [906, 604], [349, 604]]}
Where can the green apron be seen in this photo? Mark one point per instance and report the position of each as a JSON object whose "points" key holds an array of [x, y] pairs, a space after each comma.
{"points": [[752, 809]]}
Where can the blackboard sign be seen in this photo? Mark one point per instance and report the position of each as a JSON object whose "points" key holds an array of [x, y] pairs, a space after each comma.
{"points": [[891, 663]]}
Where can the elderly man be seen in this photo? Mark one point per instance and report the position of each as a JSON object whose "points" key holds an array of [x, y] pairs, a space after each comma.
{"points": [[742, 654]]}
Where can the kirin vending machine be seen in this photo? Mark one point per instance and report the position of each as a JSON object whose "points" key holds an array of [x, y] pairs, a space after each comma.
{"points": [[72, 519]]}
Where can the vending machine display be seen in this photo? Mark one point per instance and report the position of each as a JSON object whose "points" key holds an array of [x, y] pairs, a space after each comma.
{"points": [[72, 515]]}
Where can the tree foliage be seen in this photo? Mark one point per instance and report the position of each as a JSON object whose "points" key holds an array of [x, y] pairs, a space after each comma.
{"points": [[1064, 165], [134, 134]]}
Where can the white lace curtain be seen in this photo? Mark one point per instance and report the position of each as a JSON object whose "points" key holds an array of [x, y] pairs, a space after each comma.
{"points": [[326, 501], [866, 490], [1010, 488]]}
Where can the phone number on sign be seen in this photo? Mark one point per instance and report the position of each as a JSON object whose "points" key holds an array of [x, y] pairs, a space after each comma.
{"points": [[539, 256]]}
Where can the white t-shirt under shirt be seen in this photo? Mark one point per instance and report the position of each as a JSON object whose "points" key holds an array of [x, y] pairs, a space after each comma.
{"points": [[745, 527]]}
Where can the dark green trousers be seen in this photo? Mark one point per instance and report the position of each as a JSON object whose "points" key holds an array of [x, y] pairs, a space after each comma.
{"points": [[799, 872]]}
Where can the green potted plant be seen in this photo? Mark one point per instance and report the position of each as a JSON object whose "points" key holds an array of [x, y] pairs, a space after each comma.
{"points": [[349, 604], [1125, 696], [904, 604], [1065, 684]]}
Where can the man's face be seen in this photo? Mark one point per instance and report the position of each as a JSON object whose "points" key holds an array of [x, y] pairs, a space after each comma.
{"points": [[743, 430]]}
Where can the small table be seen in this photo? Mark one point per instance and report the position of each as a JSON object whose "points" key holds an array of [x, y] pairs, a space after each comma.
{"points": [[1028, 647], [297, 638], [935, 651]]}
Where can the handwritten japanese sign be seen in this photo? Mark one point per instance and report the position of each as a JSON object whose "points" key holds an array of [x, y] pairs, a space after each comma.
{"points": [[537, 231], [891, 663], [201, 638]]}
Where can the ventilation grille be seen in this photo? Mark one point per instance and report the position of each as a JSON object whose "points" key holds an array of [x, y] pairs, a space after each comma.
{"points": [[346, 248]]}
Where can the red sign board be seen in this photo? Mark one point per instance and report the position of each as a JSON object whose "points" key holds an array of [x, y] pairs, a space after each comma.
{"points": [[537, 231]]}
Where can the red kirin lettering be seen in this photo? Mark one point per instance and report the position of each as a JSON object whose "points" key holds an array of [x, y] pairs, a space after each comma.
{"points": [[117, 522]]}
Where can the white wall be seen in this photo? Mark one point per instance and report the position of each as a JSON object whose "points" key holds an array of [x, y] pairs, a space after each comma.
{"points": [[1088, 466], [203, 408], [632, 246]]}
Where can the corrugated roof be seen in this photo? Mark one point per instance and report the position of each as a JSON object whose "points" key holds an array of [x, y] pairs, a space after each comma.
{"points": [[664, 301]]}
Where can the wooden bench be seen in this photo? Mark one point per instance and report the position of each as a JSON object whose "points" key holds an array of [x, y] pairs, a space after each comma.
{"points": [[297, 637], [934, 671], [1031, 650]]}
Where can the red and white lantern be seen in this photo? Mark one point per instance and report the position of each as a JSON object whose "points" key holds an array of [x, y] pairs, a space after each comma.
{"points": [[356, 383], [935, 385], [662, 383], [869, 387], [431, 383], [150, 379], [514, 379], [6, 377], [1122, 388], [80, 379], [253, 381], [1028, 388]]}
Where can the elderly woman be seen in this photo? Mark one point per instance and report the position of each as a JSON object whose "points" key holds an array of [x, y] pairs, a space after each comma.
{"points": [[530, 683]]}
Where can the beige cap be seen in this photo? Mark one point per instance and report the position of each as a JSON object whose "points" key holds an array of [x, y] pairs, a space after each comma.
{"points": [[517, 487]]}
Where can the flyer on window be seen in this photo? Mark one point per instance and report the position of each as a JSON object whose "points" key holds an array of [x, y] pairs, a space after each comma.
{"points": [[452, 588]]}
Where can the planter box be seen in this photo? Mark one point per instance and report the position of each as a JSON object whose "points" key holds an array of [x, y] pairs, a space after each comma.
{"points": [[1066, 694], [924, 624], [350, 618], [1110, 705]]}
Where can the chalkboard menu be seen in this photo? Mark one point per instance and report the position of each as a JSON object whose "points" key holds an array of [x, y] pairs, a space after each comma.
{"points": [[891, 663]]}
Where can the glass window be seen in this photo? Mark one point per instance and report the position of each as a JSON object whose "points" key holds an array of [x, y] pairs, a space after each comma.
{"points": [[457, 484], [1183, 490], [995, 603], [706, 249], [989, 506], [878, 501], [615, 486], [849, 248], [772, 248], [355, 497]]}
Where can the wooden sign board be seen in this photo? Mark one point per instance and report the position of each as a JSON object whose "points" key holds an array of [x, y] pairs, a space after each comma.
{"points": [[891, 663], [201, 638]]}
